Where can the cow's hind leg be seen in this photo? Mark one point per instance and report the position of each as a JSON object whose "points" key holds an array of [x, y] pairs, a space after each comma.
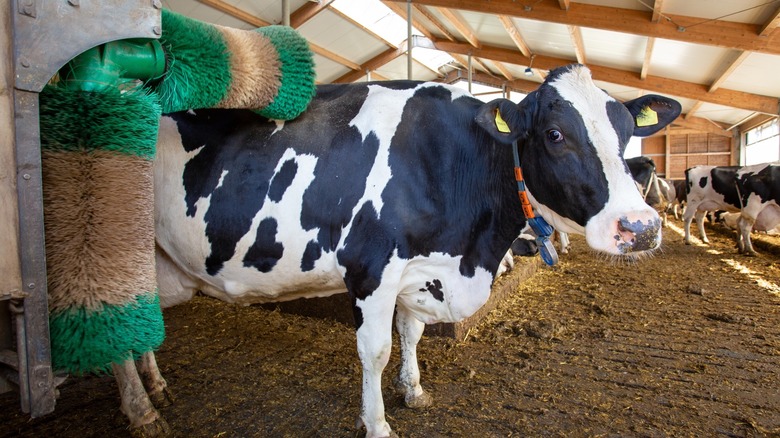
{"points": [[155, 384], [410, 330], [374, 342], [744, 228], [145, 421]]}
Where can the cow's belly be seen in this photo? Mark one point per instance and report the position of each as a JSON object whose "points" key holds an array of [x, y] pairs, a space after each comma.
{"points": [[769, 218], [183, 239], [433, 289]]}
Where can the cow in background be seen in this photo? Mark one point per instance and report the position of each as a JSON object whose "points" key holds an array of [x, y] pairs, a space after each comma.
{"points": [[681, 193], [656, 192], [401, 194], [753, 191]]}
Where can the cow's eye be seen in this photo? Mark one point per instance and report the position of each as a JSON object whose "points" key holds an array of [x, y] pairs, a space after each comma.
{"points": [[555, 136]]}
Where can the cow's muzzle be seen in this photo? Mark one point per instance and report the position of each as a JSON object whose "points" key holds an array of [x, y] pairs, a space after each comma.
{"points": [[638, 235]]}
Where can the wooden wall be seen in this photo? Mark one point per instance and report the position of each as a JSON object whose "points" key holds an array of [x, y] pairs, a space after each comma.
{"points": [[673, 153]]}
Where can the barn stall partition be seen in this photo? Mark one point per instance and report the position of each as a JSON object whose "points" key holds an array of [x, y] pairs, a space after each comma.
{"points": [[41, 37]]}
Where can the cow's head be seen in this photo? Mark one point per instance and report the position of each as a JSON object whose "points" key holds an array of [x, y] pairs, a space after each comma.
{"points": [[571, 136]]}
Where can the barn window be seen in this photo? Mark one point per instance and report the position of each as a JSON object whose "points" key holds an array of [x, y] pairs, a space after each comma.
{"points": [[762, 144]]}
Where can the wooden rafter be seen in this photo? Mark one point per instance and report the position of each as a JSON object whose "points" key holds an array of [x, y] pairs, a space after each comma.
{"points": [[564, 4], [648, 56], [702, 125], [372, 65], [579, 46], [771, 24], [658, 6], [694, 108], [308, 11], [730, 68], [461, 26], [743, 36], [737, 99], [235, 12], [503, 70], [514, 34]]}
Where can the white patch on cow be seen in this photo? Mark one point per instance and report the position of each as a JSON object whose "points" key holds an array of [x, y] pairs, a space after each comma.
{"points": [[191, 112], [221, 179], [279, 126], [577, 87], [462, 296]]}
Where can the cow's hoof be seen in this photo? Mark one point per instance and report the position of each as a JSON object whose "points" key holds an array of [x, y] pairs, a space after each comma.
{"points": [[156, 429], [418, 401], [161, 398]]}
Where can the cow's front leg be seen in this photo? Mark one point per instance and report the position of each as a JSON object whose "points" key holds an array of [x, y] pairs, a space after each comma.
{"points": [[410, 330], [374, 342], [155, 384], [145, 421]]}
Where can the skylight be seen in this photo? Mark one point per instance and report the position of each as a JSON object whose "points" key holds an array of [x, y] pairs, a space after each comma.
{"points": [[379, 19]]}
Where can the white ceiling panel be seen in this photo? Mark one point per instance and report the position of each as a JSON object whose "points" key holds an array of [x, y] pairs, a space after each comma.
{"points": [[686, 62], [612, 49]]}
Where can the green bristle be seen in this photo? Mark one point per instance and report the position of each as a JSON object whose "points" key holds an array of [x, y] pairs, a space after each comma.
{"points": [[107, 120], [298, 73], [85, 341], [198, 73]]}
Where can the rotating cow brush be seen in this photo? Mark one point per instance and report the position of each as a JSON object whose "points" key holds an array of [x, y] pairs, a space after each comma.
{"points": [[99, 126]]}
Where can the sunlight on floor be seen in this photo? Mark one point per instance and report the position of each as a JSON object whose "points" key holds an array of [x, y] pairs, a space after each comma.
{"points": [[694, 240], [768, 285]]}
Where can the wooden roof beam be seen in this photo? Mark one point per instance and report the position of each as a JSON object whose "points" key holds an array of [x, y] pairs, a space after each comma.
{"points": [[308, 11], [514, 33], [729, 70], [658, 6], [742, 36], [771, 24], [372, 64], [737, 99], [461, 26], [648, 56], [564, 4], [579, 46]]}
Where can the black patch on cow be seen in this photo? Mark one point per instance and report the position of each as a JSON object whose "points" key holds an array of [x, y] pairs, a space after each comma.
{"points": [[339, 183], [765, 183], [367, 250], [434, 287], [724, 181], [311, 254], [622, 123], [266, 251], [703, 182], [282, 180]]}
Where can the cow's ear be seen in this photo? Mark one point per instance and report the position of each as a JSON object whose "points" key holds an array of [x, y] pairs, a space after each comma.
{"points": [[502, 119], [651, 113]]}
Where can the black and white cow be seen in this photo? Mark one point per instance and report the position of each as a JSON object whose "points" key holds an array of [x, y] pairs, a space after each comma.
{"points": [[401, 194], [754, 191], [656, 192]]}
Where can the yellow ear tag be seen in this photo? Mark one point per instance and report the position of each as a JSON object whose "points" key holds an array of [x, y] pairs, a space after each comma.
{"points": [[647, 117], [501, 124]]}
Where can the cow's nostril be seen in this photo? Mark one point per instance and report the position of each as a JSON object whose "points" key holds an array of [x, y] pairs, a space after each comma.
{"points": [[637, 235]]}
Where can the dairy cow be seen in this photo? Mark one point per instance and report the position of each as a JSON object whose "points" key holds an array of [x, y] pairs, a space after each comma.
{"points": [[401, 194], [753, 191], [657, 193]]}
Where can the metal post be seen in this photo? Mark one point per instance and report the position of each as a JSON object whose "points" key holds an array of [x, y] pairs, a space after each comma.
{"points": [[469, 73], [409, 42], [286, 12]]}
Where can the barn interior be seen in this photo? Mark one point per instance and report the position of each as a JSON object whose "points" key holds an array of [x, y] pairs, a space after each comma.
{"points": [[718, 59]]}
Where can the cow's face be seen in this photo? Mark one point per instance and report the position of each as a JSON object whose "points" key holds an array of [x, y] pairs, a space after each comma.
{"points": [[571, 136]]}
